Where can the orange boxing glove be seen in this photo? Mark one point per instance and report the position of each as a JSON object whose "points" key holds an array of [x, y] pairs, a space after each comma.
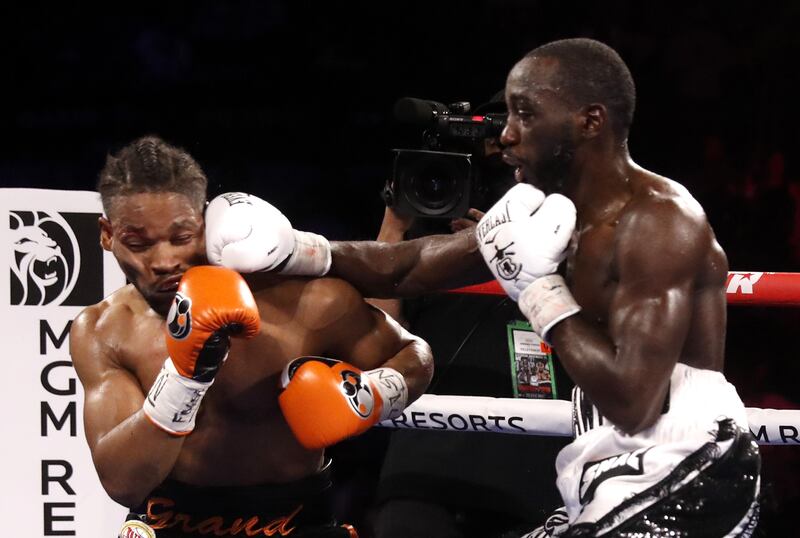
{"points": [[211, 305], [325, 401]]}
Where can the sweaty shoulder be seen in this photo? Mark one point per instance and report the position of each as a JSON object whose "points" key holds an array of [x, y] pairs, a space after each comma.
{"points": [[663, 225], [97, 331], [663, 208], [658, 197]]}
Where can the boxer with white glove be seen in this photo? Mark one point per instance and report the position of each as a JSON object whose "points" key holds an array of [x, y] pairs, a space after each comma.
{"points": [[248, 234], [523, 238], [326, 401], [211, 305]]}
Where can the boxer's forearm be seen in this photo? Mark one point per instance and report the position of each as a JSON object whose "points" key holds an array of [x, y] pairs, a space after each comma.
{"points": [[415, 364], [409, 268], [134, 458]]}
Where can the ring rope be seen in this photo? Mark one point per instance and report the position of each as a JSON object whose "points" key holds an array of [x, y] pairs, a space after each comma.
{"points": [[752, 288], [552, 417]]}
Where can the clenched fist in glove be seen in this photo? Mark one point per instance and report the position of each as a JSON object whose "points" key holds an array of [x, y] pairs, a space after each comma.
{"points": [[248, 234], [523, 238], [326, 401], [211, 305]]}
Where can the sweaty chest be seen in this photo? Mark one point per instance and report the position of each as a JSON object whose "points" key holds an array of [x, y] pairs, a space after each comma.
{"points": [[591, 272], [246, 384]]}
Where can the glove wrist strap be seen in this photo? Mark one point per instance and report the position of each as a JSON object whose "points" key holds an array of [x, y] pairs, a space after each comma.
{"points": [[393, 390], [311, 255], [173, 400], [545, 302]]}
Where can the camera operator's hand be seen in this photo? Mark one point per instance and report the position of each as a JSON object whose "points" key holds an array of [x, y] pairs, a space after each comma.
{"points": [[470, 220], [394, 226]]}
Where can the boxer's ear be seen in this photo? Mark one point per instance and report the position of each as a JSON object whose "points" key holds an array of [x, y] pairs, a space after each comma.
{"points": [[106, 233], [593, 119]]}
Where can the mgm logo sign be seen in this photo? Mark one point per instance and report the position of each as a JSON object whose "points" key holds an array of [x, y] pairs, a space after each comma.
{"points": [[56, 258]]}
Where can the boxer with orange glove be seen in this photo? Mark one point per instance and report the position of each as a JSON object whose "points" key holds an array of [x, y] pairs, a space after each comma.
{"points": [[243, 461]]}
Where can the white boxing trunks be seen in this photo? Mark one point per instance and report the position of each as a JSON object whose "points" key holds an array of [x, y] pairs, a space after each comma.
{"points": [[695, 472]]}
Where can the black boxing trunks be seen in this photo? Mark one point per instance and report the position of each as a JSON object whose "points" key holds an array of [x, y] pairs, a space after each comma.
{"points": [[695, 472], [300, 509]]}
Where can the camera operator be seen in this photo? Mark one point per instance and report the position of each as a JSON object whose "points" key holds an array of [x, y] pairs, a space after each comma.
{"points": [[464, 484]]}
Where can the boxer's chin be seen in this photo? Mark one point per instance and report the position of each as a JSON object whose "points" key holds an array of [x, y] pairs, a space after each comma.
{"points": [[551, 186], [544, 182], [551, 175], [159, 301]]}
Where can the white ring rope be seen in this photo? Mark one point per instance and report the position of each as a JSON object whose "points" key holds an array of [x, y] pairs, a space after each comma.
{"points": [[552, 417]]}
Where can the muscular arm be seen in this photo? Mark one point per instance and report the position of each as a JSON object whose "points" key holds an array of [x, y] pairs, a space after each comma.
{"points": [[409, 268], [626, 371], [250, 235], [353, 331], [131, 455], [393, 229]]}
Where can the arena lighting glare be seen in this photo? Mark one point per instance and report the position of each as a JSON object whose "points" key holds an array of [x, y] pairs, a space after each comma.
{"points": [[439, 179]]}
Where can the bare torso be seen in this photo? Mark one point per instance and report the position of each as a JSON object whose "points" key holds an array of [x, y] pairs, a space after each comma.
{"points": [[593, 269], [241, 437]]}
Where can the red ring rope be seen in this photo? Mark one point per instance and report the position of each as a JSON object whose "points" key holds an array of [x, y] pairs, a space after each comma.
{"points": [[742, 287]]}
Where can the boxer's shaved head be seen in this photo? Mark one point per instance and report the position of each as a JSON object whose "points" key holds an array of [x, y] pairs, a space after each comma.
{"points": [[149, 164], [590, 72]]}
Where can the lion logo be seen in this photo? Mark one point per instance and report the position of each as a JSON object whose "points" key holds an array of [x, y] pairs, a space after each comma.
{"points": [[46, 256]]}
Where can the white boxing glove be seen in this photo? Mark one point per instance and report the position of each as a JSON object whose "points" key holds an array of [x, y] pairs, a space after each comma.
{"points": [[524, 236], [248, 234]]}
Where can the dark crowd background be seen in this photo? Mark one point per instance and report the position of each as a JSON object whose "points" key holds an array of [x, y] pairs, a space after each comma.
{"points": [[292, 101]]}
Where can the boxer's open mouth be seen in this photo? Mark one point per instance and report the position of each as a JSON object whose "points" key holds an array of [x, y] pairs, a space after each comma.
{"points": [[169, 285]]}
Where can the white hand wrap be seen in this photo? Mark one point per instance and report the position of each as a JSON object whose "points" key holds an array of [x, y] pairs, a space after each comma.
{"points": [[311, 255], [545, 302], [173, 400], [392, 387]]}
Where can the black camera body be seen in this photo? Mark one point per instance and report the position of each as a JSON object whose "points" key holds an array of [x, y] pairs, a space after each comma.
{"points": [[439, 179]]}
